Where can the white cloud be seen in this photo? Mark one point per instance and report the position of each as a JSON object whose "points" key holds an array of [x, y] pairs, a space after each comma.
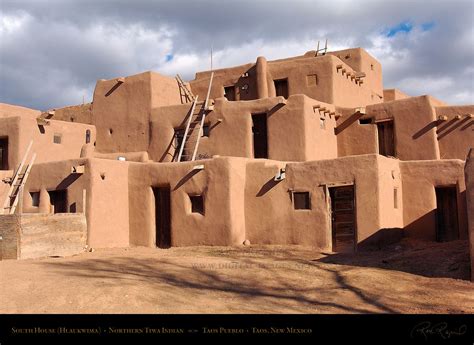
{"points": [[52, 52]]}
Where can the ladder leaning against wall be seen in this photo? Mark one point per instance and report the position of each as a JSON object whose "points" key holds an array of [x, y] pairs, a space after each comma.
{"points": [[18, 182], [194, 127]]}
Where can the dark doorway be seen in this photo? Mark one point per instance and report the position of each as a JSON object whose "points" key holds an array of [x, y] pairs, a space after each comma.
{"points": [[58, 200], [447, 228], [259, 130], [3, 153], [229, 93], [343, 225], [163, 216], [178, 141], [281, 87], [386, 138]]}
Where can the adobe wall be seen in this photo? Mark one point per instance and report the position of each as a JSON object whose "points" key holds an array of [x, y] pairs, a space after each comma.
{"points": [[456, 133], [4, 187], [361, 61], [30, 236], [253, 81], [354, 138], [20, 130], [243, 77], [222, 222], [104, 188], [294, 130], [469, 176], [9, 231], [393, 95], [121, 110], [419, 179], [414, 129], [81, 113], [271, 218]]}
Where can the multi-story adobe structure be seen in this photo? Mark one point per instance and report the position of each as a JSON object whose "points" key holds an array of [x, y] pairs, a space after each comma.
{"points": [[307, 150]]}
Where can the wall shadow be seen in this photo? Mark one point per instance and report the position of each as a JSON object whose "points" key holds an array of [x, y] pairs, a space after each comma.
{"points": [[267, 186], [70, 179], [452, 128], [386, 249], [161, 273], [349, 121], [425, 129], [185, 178], [115, 87]]}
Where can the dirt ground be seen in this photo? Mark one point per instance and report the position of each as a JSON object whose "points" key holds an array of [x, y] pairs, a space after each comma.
{"points": [[252, 279]]}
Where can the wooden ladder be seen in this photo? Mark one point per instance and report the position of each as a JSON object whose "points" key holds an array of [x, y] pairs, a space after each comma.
{"points": [[18, 182], [193, 132], [184, 92]]}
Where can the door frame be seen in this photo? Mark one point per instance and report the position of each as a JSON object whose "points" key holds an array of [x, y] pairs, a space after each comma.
{"points": [[392, 120], [154, 213], [262, 114], [327, 192], [456, 188]]}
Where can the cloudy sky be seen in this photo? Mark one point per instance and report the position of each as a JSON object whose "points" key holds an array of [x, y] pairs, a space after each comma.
{"points": [[53, 51]]}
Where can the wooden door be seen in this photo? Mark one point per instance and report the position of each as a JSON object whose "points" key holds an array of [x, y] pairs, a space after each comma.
{"points": [[386, 138], [447, 228], [3, 153], [162, 216], [259, 130], [343, 219], [281, 87]]}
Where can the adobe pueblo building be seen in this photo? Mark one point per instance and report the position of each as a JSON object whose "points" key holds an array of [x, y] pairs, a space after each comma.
{"points": [[309, 150]]}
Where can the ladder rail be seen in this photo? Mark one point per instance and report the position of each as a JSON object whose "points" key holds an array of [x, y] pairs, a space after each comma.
{"points": [[7, 202], [199, 136], [191, 114], [208, 91], [182, 86], [196, 145], [22, 184]]}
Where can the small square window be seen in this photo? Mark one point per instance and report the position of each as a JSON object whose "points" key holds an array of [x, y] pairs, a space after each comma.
{"points": [[229, 93], [365, 121], [312, 79], [395, 198], [197, 204], [205, 130], [35, 198], [57, 138], [301, 201], [322, 123]]}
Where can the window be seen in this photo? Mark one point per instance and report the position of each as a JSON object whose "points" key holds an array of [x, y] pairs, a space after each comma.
{"points": [[365, 121], [301, 201], [312, 80], [57, 138], [372, 67], [88, 136], [229, 93], [3, 153], [197, 204], [322, 123], [58, 200], [395, 198], [205, 130], [281, 87], [35, 198]]}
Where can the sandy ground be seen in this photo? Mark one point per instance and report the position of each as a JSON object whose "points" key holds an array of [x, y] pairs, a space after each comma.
{"points": [[253, 279]]}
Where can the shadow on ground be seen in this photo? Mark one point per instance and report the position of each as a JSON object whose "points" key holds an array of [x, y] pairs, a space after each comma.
{"points": [[428, 259], [271, 279]]}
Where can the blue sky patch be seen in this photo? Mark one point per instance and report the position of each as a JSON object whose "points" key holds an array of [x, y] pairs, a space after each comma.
{"points": [[169, 57], [405, 27], [427, 26]]}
